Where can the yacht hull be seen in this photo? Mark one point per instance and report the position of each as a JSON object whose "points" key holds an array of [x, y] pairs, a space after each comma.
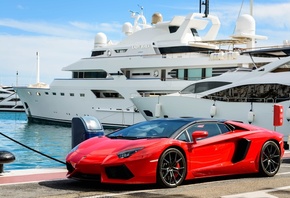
{"points": [[67, 99]]}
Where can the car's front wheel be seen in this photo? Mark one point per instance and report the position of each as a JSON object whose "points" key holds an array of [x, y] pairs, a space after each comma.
{"points": [[270, 159], [171, 168]]}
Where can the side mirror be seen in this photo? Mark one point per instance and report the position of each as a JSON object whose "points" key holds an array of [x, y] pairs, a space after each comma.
{"points": [[198, 134]]}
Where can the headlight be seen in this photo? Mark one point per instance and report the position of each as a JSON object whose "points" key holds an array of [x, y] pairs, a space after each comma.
{"points": [[128, 153]]}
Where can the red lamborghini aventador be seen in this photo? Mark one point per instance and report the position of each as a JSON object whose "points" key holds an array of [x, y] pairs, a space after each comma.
{"points": [[169, 151]]}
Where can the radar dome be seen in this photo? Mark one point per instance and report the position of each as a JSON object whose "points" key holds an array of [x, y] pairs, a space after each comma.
{"points": [[100, 39], [245, 25], [156, 17], [127, 28]]}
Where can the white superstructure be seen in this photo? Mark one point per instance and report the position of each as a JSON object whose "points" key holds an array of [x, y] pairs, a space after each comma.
{"points": [[154, 59], [247, 96]]}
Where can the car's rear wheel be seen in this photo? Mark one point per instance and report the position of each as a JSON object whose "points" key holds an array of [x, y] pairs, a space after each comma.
{"points": [[270, 159], [171, 168]]}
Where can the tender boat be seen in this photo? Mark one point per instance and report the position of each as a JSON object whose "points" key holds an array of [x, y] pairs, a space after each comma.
{"points": [[241, 95], [155, 59]]}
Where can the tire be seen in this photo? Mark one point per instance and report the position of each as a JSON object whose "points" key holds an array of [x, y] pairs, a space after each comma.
{"points": [[171, 169], [270, 159]]}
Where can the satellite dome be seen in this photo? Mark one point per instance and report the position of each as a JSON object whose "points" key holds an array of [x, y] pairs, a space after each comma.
{"points": [[156, 17], [127, 28], [100, 39], [245, 25]]}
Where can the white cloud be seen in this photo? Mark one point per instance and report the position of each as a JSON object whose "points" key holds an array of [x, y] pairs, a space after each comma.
{"points": [[45, 28], [97, 27], [55, 53], [21, 7], [71, 30], [273, 15]]}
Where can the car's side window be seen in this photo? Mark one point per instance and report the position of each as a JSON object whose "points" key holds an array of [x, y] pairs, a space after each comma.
{"points": [[212, 128], [223, 128], [183, 137]]}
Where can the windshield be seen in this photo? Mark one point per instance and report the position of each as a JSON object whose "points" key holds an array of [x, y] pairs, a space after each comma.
{"points": [[149, 129]]}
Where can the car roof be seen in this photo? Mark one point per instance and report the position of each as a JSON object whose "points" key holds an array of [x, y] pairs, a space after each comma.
{"points": [[192, 119]]}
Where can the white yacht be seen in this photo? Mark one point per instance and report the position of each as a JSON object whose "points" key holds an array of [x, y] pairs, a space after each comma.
{"points": [[247, 96], [155, 59], [9, 100]]}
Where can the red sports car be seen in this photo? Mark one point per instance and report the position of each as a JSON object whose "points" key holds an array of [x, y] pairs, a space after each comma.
{"points": [[169, 151]]}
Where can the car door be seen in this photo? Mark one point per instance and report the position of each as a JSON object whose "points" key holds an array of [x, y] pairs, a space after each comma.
{"points": [[212, 154]]}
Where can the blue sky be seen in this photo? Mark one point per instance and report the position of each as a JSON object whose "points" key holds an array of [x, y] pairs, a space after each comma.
{"points": [[63, 31]]}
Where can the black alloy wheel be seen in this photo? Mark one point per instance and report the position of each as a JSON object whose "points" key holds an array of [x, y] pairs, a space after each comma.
{"points": [[270, 159], [171, 168]]}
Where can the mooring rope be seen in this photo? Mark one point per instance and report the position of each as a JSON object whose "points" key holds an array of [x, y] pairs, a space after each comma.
{"points": [[32, 149]]}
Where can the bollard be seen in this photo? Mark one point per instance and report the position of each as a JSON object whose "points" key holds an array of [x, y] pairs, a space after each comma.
{"points": [[5, 157], [84, 128]]}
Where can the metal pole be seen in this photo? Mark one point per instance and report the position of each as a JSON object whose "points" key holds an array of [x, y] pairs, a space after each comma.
{"points": [[251, 7], [37, 67]]}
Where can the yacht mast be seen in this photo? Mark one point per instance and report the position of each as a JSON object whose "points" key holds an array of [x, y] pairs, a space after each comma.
{"points": [[37, 67], [251, 7]]}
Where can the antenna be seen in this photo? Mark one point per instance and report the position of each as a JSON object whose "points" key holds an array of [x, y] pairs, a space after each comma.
{"points": [[206, 5], [37, 67], [17, 78]]}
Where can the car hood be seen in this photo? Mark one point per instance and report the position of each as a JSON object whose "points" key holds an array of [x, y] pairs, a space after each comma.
{"points": [[107, 146]]}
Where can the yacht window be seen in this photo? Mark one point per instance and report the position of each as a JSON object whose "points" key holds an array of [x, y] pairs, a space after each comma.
{"points": [[163, 75], [95, 74], [269, 93], [120, 50], [101, 74], [202, 86], [127, 74], [107, 94], [53, 93], [46, 93], [62, 94], [194, 32], [72, 94], [173, 29], [148, 93], [82, 95], [140, 74], [283, 68], [98, 53], [173, 73], [196, 74], [184, 49], [38, 93]]}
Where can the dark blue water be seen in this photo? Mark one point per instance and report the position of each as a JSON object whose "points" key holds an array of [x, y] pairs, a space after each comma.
{"points": [[52, 140]]}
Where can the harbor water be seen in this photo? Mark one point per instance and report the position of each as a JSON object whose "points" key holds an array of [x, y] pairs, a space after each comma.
{"points": [[52, 140]]}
